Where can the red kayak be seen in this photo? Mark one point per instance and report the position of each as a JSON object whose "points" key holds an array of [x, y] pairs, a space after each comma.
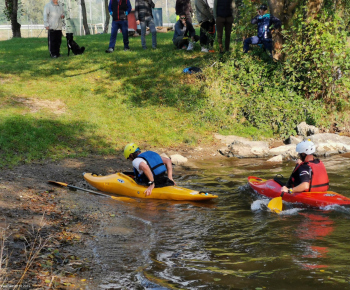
{"points": [[270, 188]]}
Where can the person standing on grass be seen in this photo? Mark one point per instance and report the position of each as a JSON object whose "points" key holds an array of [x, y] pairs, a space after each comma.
{"points": [[184, 31], [144, 17], [264, 37], [223, 14], [53, 21], [119, 10], [206, 21], [184, 6]]}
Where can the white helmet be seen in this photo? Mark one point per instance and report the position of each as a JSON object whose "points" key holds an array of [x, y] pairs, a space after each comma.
{"points": [[306, 147]]}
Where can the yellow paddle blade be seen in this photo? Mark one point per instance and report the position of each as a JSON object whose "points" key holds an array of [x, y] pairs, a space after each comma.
{"points": [[58, 183], [275, 204]]}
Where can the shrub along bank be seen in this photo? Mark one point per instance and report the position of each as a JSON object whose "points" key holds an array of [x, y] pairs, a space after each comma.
{"points": [[98, 102]]}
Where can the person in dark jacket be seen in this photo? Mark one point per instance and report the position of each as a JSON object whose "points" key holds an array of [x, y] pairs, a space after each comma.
{"points": [[223, 14], [264, 37], [144, 17], [184, 34], [184, 6], [119, 10], [310, 174], [149, 168]]}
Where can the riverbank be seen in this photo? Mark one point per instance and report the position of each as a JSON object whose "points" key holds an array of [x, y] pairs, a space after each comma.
{"points": [[46, 230]]}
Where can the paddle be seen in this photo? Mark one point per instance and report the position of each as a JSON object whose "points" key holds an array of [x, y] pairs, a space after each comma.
{"points": [[276, 203], [72, 187]]}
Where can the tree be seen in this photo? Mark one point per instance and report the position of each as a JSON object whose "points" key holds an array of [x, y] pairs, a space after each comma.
{"points": [[11, 11], [283, 10], [83, 13], [105, 30]]}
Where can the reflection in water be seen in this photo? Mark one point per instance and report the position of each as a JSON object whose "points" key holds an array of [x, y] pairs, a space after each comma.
{"points": [[232, 243], [312, 229]]}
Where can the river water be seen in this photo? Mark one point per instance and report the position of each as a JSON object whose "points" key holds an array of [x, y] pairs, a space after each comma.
{"points": [[234, 242]]}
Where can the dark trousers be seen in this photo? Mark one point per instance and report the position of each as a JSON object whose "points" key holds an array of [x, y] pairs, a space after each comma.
{"points": [[54, 41], [206, 35], [226, 22], [179, 41], [267, 43], [123, 25]]}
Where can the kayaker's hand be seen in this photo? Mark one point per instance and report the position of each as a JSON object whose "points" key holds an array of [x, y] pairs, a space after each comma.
{"points": [[173, 181], [284, 189], [148, 191]]}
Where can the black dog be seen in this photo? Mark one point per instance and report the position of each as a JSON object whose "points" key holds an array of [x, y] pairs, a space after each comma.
{"points": [[72, 45]]}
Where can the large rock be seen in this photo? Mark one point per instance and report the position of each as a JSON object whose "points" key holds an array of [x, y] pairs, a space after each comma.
{"points": [[286, 151], [229, 139], [295, 139], [277, 159], [248, 148], [304, 129], [178, 159]]}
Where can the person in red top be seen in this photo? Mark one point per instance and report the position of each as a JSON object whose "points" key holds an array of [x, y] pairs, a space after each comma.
{"points": [[309, 174]]}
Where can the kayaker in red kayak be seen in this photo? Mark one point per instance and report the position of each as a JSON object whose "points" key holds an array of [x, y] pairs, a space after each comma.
{"points": [[149, 168], [309, 174]]}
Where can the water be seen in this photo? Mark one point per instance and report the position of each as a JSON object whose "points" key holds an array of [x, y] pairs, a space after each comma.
{"points": [[232, 243]]}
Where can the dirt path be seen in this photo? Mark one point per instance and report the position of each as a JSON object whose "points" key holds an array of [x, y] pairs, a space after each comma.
{"points": [[45, 230]]}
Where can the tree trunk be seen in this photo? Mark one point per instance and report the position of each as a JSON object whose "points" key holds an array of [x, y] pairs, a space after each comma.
{"points": [[284, 11], [83, 12], [12, 10], [105, 30], [313, 8]]}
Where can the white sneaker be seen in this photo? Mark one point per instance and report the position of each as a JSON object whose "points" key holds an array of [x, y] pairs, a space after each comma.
{"points": [[190, 46], [204, 49]]}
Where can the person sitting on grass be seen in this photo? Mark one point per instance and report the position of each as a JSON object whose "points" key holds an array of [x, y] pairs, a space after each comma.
{"points": [[149, 168], [184, 34]]}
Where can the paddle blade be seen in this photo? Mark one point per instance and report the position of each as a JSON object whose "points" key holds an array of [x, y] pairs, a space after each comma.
{"points": [[58, 183], [275, 204]]}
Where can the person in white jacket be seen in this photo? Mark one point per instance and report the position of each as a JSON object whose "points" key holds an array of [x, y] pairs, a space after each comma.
{"points": [[204, 13], [53, 21]]}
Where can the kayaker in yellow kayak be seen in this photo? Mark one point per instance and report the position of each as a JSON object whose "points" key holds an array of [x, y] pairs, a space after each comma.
{"points": [[309, 174], [149, 168]]}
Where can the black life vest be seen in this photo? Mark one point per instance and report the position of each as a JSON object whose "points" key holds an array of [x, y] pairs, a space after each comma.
{"points": [[119, 8], [319, 180], [155, 163]]}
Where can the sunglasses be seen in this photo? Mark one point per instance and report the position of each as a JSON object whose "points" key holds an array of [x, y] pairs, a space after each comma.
{"points": [[182, 17]]}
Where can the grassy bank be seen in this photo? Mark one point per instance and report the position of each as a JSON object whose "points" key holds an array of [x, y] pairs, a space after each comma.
{"points": [[97, 102]]}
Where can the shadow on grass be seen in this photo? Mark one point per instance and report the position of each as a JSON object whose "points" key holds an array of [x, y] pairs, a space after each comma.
{"points": [[146, 77], [31, 139]]}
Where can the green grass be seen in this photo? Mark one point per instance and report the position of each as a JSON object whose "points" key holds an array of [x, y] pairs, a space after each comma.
{"points": [[107, 100]]}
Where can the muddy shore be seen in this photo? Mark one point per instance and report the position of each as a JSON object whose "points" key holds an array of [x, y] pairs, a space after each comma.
{"points": [[45, 231]]}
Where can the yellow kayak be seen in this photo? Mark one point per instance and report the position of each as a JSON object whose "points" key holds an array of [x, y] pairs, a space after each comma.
{"points": [[122, 184]]}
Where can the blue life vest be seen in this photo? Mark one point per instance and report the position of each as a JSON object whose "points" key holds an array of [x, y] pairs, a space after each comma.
{"points": [[155, 163]]}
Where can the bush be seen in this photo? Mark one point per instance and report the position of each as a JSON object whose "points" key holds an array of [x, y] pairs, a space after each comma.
{"points": [[316, 57]]}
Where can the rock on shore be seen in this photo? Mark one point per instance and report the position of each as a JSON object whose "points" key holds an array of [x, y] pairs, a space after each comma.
{"points": [[326, 144]]}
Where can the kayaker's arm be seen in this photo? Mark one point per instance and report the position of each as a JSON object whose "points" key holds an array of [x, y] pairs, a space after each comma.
{"points": [[300, 188], [169, 168], [147, 171]]}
